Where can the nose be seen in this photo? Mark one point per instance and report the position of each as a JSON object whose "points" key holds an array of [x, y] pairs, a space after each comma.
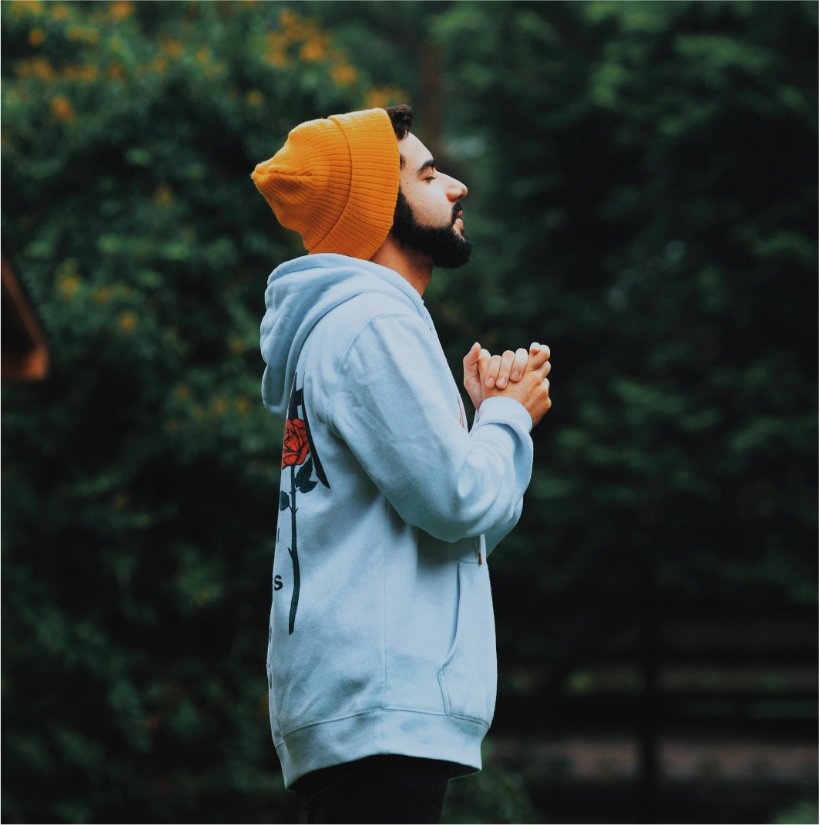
{"points": [[456, 190]]}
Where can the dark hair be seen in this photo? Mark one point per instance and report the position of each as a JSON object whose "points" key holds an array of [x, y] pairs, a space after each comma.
{"points": [[401, 117]]}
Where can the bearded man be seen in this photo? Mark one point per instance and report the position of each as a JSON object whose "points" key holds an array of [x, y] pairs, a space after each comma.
{"points": [[381, 649]]}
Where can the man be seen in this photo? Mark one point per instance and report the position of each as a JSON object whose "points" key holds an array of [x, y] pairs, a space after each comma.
{"points": [[381, 652]]}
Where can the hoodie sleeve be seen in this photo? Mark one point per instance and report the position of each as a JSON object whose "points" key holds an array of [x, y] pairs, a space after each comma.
{"points": [[396, 408], [494, 536], [497, 534]]}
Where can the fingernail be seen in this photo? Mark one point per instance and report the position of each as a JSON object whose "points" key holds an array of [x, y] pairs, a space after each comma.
{"points": [[502, 382], [515, 375], [490, 380]]}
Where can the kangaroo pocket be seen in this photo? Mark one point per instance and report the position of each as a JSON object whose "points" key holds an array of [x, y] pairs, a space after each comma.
{"points": [[469, 675]]}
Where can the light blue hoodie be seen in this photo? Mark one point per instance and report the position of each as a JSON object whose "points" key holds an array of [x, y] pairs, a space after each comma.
{"points": [[382, 634]]}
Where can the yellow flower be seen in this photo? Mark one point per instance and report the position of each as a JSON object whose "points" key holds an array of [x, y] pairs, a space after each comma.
{"points": [[69, 286], [173, 48], [343, 74], [36, 36], [30, 6], [314, 49], [288, 18], [242, 405], [380, 97], [62, 108], [116, 71], [276, 52], [182, 392], [121, 9], [219, 406], [87, 72], [254, 97], [128, 321], [277, 57], [58, 11], [78, 33], [102, 295], [235, 344], [203, 54], [36, 67], [163, 195]]}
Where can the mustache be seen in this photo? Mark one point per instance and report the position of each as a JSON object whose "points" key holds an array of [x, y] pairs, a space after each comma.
{"points": [[457, 210]]}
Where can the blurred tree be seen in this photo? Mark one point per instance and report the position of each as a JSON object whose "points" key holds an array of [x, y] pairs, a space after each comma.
{"points": [[643, 190], [643, 198], [140, 480]]}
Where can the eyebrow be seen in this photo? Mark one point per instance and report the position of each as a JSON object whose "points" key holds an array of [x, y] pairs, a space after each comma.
{"points": [[428, 164]]}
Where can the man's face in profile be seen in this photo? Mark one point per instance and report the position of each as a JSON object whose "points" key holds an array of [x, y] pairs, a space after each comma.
{"points": [[427, 218]]}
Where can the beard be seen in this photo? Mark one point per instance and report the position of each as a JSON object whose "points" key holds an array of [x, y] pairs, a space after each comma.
{"points": [[441, 244]]}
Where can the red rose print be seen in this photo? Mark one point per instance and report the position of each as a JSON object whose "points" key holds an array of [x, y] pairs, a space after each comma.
{"points": [[298, 454], [295, 447]]}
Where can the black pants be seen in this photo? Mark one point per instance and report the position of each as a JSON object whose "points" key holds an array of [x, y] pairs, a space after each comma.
{"points": [[386, 788]]}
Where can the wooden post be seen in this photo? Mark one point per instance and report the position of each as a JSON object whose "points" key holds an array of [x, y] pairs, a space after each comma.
{"points": [[25, 352]]}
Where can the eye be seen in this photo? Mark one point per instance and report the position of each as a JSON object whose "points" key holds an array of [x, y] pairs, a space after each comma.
{"points": [[432, 177]]}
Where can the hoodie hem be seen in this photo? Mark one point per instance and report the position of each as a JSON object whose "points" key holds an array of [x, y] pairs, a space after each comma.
{"points": [[382, 731]]}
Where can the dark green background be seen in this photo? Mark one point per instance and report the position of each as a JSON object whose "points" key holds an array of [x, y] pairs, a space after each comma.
{"points": [[643, 198]]}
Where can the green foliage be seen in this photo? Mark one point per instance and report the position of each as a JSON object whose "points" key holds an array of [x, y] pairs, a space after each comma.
{"points": [[496, 794], [642, 197], [643, 200], [140, 478], [800, 813]]}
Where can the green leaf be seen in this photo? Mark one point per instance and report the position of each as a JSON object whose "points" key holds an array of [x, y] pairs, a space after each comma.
{"points": [[304, 473]]}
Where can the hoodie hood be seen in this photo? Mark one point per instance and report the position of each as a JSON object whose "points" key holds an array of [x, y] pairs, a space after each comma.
{"points": [[299, 294]]}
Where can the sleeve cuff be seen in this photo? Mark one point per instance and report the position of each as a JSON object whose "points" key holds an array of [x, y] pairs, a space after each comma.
{"points": [[504, 411]]}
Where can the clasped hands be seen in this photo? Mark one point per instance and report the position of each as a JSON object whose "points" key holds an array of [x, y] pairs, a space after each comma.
{"points": [[521, 375]]}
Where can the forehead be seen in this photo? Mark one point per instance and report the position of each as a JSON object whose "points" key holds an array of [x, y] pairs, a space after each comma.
{"points": [[414, 153]]}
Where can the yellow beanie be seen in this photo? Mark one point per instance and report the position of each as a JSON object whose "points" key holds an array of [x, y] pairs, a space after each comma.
{"points": [[336, 181]]}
